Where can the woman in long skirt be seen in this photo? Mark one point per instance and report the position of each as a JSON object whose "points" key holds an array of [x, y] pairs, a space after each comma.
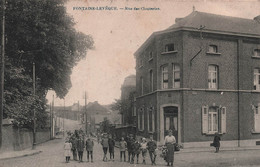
{"points": [[170, 142]]}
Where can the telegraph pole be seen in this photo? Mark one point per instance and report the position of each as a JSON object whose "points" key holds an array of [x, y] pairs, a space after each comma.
{"points": [[2, 71], [86, 120], [34, 119], [63, 117]]}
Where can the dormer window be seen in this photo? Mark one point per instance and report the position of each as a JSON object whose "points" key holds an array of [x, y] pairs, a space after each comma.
{"points": [[169, 47], [213, 49], [256, 53]]}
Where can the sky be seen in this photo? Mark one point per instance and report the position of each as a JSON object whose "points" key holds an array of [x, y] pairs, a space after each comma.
{"points": [[119, 33]]}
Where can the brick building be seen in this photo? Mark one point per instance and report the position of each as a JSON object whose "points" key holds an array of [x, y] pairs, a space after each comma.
{"points": [[198, 77]]}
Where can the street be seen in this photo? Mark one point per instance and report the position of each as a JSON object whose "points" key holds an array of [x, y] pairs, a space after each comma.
{"points": [[52, 156]]}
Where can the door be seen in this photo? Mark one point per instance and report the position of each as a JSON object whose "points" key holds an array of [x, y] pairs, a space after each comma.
{"points": [[171, 121]]}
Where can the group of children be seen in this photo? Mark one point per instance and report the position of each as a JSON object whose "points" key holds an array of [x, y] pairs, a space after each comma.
{"points": [[134, 148]]}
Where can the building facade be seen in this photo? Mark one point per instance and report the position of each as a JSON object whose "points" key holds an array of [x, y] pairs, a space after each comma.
{"points": [[198, 77]]}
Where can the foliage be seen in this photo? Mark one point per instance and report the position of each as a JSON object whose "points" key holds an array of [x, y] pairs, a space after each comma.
{"points": [[39, 31], [105, 126]]}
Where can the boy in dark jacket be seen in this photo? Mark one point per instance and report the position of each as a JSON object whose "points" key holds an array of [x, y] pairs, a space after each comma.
{"points": [[130, 147], [151, 146], [111, 145], [80, 147], [89, 148], [136, 150]]}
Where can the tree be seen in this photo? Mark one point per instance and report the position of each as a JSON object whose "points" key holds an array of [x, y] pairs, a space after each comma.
{"points": [[39, 31], [105, 126]]}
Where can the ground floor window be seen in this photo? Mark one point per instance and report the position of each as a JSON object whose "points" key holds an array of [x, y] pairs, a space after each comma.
{"points": [[141, 119], [150, 115], [213, 119], [256, 118]]}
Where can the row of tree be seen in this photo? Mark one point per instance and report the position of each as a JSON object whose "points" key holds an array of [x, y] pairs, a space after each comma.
{"points": [[40, 32]]}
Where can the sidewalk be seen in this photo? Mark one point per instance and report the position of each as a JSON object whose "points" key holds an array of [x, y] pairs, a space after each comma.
{"points": [[17, 154]]}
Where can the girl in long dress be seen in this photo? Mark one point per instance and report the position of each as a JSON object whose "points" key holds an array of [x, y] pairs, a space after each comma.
{"points": [[67, 152], [170, 142]]}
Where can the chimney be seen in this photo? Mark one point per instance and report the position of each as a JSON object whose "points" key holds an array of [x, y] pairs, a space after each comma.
{"points": [[178, 20], [257, 18]]}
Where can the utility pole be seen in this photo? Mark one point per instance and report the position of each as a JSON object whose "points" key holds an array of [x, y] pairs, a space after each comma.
{"points": [[78, 112], [52, 117], [34, 114], [86, 120], [63, 117], [2, 71]]}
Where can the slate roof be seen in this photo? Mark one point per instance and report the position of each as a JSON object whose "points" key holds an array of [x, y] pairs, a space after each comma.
{"points": [[213, 23], [218, 23]]}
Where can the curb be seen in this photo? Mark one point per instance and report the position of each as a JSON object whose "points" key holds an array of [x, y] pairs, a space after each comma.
{"points": [[24, 155]]}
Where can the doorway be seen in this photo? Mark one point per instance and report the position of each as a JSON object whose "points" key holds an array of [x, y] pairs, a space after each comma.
{"points": [[171, 121]]}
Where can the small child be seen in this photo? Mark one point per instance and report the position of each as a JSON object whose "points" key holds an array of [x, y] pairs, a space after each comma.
{"points": [[144, 149], [136, 151], [67, 148], [122, 147], [151, 147], [89, 148], [111, 145]]}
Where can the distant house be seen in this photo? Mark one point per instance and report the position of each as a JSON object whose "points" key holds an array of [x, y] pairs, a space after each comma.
{"points": [[198, 77]]}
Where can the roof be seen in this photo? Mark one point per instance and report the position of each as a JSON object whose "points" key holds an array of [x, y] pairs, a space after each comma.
{"points": [[212, 23], [218, 23], [95, 107]]}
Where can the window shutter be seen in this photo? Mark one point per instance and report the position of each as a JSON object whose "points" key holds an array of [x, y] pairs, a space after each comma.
{"points": [[223, 120], [204, 113], [257, 118]]}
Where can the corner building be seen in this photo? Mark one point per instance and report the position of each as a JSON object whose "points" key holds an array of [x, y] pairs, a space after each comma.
{"points": [[198, 77]]}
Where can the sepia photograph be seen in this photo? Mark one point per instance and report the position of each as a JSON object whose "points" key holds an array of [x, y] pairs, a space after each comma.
{"points": [[133, 83]]}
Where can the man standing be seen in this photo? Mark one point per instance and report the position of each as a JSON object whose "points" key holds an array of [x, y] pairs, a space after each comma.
{"points": [[89, 148], [111, 144], [130, 148], [105, 145]]}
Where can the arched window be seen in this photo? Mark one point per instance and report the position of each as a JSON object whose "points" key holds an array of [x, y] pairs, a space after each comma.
{"points": [[151, 80], [176, 75], [165, 77]]}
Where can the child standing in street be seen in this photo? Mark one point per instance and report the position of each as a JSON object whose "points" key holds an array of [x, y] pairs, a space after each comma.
{"points": [[67, 148], [151, 147], [216, 142], [111, 145], [122, 148], [144, 149], [137, 150], [105, 145], [89, 148], [80, 147]]}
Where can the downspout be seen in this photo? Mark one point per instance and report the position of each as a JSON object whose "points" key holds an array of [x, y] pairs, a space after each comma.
{"points": [[239, 49]]}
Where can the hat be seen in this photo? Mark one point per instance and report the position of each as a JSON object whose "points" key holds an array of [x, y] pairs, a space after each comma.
{"points": [[144, 139]]}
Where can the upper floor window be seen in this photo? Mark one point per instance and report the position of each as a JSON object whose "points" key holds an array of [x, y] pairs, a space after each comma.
{"points": [[140, 62], [256, 53], [169, 47], [142, 85], [151, 80], [165, 78], [176, 75], [213, 49], [256, 79], [150, 55], [213, 77]]}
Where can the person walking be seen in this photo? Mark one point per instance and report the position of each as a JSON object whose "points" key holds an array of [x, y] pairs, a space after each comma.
{"points": [[151, 147], [216, 142], [144, 149], [170, 142], [111, 145], [80, 147], [89, 148], [67, 152], [105, 145], [122, 148], [136, 151]]}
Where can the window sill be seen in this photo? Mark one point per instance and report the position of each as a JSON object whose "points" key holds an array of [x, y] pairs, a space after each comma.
{"points": [[151, 132], [164, 53], [212, 134], [255, 132], [256, 57], [140, 66], [213, 53], [150, 59]]}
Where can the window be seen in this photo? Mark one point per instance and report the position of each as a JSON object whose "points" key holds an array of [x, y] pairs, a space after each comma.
{"points": [[150, 119], [151, 80], [150, 55], [134, 110], [169, 47], [142, 85], [176, 75], [256, 79], [213, 77], [256, 118], [213, 49], [256, 53], [140, 63], [165, 77], [213, 119]]}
